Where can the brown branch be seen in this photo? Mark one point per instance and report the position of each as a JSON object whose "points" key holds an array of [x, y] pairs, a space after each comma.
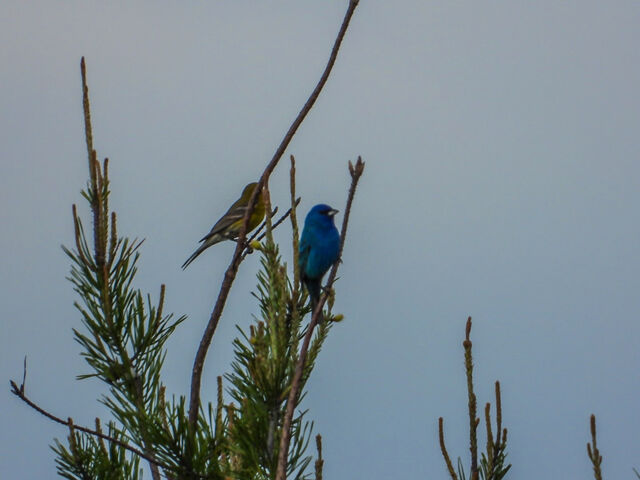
{"points": [[260, 229], [88, 131], [257, 236], [593, 452], [473, 420], [492, 450], [356, 172], [443, 448], [498, 414], [294, 227], [230, 274], [275, 225], [320, 461], [99, 198], [19, 392]]}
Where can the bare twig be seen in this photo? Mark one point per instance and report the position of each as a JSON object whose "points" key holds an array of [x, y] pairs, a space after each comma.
{"points": [[593, 452], [230, 274], [99, 205], [492, 452], [294, 227], [320, 461], [473, 420], [24, 375], [277, 224], [262, 226], [443, 448], [356, 172], [88, 131], [257, 236], [19, 392], [498, 414]]}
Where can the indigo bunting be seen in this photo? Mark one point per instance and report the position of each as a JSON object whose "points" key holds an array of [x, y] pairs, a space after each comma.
{"points": [[230, 225], [319, 248]]}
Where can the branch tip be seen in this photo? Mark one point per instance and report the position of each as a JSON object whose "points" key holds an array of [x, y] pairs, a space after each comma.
{"points": [[230, 274]]}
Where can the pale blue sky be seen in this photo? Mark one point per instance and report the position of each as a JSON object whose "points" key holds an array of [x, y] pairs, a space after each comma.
{"points": [[502, 147]]}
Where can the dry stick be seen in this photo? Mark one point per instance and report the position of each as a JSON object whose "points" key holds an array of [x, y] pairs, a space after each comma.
{"points": [[495, 448], [491, 451], [319, 461], [443, 448], [19, 392], [295, 240], [294, 227], [230, 274], [259, 236], [473, 420], [87, 121], [281, 474], [275, 225], [259, 230], [498, 414], [99, 205], [594, 453]]}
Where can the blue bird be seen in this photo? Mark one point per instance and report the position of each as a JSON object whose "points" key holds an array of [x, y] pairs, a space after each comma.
{"points": [[319, 248]]}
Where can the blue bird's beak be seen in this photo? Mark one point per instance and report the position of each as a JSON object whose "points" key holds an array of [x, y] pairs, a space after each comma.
{"points": [[332, 212]]}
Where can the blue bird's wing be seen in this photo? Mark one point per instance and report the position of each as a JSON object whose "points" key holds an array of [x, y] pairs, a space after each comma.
{"points": [[318, 251], [325, 254], [303, 254]]}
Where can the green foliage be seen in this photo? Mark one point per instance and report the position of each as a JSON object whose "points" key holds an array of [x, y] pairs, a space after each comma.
{"points": [[262, 373], [494, 469], [123, 341], [125, 334], [188, 452], [461, 473], [492, 460], [91, 458]]}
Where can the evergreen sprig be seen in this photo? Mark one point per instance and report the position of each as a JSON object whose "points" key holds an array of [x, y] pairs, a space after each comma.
{"points": [[262, 372], [124, 331], [493, 464], [89, 458], [123, 341]]}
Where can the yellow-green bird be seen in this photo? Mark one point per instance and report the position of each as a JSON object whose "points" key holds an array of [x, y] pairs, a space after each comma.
{"points": [[230, 225]]}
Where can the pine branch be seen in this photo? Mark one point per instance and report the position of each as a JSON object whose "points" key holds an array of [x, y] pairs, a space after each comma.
{"points": [[473, 420], [492, 464], [230, 274], [319, 462], [593, 452], [355, 171], [261, 376], [443, 449], [20, 393], [88, 458]]}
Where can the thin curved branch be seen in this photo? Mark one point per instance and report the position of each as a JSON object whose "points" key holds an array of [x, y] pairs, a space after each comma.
{"points": [[284, 216], [443, 449], [19, 392], [230, 274], [258, 235], [356, 172]]}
